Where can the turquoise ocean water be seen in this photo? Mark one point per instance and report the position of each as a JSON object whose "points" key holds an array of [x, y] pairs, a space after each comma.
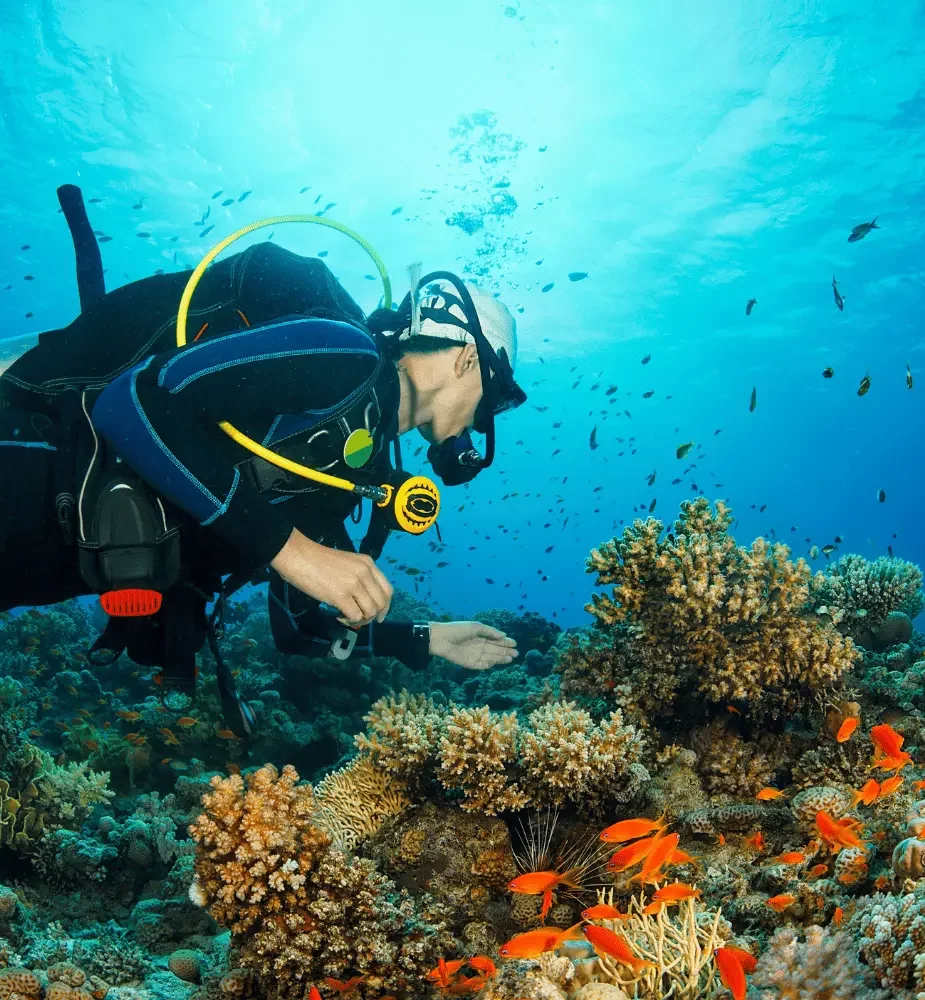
{"points": [[688, 158]]}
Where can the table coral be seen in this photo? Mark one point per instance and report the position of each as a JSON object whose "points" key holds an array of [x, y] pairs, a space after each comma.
{"points": [[729, 620], [298, 909], [858, 592]]}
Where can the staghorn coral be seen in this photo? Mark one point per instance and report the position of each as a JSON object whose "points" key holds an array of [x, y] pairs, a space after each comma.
{"points": [[298, 909], [729, 621], [680, 941], [352, 803], [858, 593], [558, 755], [823, 967]]}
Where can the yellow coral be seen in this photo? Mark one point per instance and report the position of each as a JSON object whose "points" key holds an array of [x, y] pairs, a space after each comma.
{"points": [[353, 802], [728, 619], [403, 732]]}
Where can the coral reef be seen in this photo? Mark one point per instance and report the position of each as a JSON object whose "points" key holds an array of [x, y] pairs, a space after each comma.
{"points": [[858, 593], [497, 763], [297, 908], [727, 623], [890, 932]]}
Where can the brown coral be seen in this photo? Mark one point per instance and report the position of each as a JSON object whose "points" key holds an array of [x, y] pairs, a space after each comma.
{"points": [[729, 619], [819, 798], [297, 909], [18, 981]]}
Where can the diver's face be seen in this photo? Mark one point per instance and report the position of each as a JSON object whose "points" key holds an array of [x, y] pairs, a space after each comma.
{"points": [[457, 397]]}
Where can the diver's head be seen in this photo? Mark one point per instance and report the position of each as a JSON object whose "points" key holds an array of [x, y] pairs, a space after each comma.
{"points": [[455, 348]]}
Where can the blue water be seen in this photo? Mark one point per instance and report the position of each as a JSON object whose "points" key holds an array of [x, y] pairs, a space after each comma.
{"points": [[688, 160]]}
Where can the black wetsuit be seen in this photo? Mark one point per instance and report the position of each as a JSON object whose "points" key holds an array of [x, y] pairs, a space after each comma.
{"points": [[281, 352]]}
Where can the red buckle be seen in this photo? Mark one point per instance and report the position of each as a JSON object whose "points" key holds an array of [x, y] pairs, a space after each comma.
{"points": [[132, 602]]}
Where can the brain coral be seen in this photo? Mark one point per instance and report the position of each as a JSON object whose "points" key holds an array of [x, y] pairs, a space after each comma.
{"points": [[729, 621]]}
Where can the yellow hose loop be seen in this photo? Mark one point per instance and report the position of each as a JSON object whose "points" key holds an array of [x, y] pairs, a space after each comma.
{"points": [[283, 463], [183, 311], [275, 220]]}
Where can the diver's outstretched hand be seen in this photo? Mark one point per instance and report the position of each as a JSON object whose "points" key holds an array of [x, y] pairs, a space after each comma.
{"points": [[471, 644]]}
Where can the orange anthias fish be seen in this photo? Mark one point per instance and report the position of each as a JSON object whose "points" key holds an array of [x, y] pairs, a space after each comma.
{"points": [[918, 785], [343, 986], [838, 916], [657, 857], [755, 841], [484, 965], [443, 970], [780, 903], [187, 721], [680, 857], [536, 883], [731, 972], [470, 984], [603, 940], [846, 729], [313, 994], [630, 829], [532, 944], [746, 959], [887, 742], [603, 911], [632, 854], [791, 858], [837, 834], [768, 794], [866, 794], [129, 716], [675, 893], [889, 786], [894, 763], [816, 871]]}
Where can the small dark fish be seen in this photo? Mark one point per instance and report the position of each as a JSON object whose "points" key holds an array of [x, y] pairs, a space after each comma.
{"points": [[315, 202], [762, 508], [838, 539], [611, 391], [306, 188], [652, 505], [646, 359], [649, 394], [143, 236], [369, 277], [206, 214], [593, 439], [546, 288], [29, 315], [272, 234], [549, 549], [98, 232], [227, 202], [329, 205], [828, 372], [881, 495], [628, 414], [138, 206], [827, 550], [753, 402], [322, 253], [160, 270], [217, 193], [28, 277], [206, 231], [839, 298], [718, 430], [25, 246], [889, 550], [577, 275], [105, 239], [749, 306], [650, 479], [908, 376], [243, 196], [683, 449], [864, 386], [543, 149], [94, 201], [859, 232], [674, 482], [7, 288], [395, 211]]}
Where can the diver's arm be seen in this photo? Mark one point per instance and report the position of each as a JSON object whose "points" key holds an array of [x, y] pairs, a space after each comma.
{"points": [[300, 625], [162, 417]]}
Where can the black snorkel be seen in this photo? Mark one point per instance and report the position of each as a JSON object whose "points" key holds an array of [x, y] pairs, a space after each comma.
{"points": [[456, 460]]}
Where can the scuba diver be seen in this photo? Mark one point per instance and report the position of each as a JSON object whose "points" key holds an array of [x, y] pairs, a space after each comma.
{"points": [[163, 472]]}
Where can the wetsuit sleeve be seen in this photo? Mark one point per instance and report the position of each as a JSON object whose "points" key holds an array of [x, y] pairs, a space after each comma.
{"points": [[301, 626], [162, 417]]}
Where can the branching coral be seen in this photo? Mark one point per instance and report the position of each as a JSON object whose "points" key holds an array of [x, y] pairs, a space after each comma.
{"points": [[824, 967], [730, 621], [890, 932], [297, 909], [679, 941], [558, 755], [854, 588]]}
